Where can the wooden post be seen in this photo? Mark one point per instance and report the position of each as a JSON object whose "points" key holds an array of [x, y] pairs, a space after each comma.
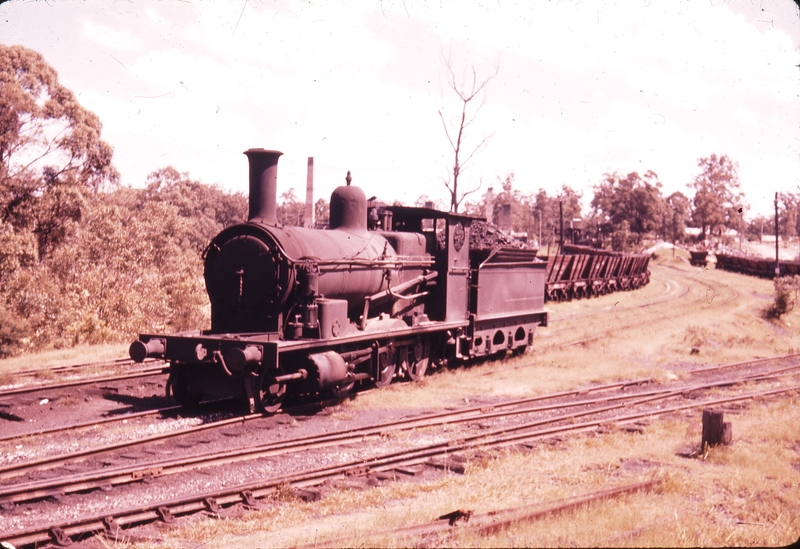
{"points": [[777, 255], [715, 430]]}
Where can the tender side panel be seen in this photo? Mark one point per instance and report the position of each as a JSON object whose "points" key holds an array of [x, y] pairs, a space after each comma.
{"points": [[510, 290], [506, 300], [508, 287]]}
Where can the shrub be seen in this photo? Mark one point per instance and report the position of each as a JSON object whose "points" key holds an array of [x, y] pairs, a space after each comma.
{"points": [[131, 263], [14, 332], [787, 289]]}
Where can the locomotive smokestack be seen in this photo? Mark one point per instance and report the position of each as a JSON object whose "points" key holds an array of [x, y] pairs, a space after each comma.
{"points": [[263, 185]]}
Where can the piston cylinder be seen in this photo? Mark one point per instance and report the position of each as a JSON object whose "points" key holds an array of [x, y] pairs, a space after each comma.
{"points": [[329, 368]]}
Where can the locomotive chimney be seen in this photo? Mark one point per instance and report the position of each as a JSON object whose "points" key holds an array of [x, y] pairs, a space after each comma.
{"points": [[263, 185]]}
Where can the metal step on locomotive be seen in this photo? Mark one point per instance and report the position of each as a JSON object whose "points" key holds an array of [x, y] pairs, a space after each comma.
{"points": [[382, 293]]}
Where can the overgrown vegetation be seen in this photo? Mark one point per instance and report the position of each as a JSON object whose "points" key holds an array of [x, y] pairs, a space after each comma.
{"points": [[132, 262], [787, 290]]}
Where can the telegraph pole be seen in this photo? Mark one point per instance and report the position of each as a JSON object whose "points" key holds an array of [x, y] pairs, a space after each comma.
{"points": [[540, 228], [777, 262]]}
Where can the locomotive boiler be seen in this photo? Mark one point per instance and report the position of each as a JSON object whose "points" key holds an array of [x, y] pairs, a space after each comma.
{"points": [[383, 292]]}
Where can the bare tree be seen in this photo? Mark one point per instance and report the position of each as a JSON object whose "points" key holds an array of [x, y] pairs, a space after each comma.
{"points": [[472, 96]]}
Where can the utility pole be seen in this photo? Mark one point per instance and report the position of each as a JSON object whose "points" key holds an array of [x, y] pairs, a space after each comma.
{"points": [[741, 222], [674, 231], [561, 222], [540, 227], [777, 261]]}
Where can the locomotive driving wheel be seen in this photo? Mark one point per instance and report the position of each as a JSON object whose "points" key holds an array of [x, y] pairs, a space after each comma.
{"points": [[267, 394], [418, 358], [179, 384], [387, 365]]}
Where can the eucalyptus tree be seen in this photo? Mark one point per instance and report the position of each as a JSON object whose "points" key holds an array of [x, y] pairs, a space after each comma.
{"points": [[632, 203], [51, 153], [718, 201]]}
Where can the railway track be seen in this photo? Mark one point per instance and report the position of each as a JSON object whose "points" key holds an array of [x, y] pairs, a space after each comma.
{"points": [[86, 425], [605, 409], [151, 369], [69, 368], [45, 463], [117, 476]]}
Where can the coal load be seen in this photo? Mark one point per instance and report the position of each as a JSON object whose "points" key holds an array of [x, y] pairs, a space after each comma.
{"points": [[486, 236]]}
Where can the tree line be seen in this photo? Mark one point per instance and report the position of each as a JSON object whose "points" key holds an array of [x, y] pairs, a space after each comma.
{"points": [[85, 260], [625, 209]]}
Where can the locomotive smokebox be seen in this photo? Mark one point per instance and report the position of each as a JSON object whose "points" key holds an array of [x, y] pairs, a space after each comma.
{"points": [[263, 185]]}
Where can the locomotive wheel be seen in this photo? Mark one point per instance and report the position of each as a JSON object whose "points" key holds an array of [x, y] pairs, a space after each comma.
{"points": [[268, 396], [179, 383], [387, 365], [418, 359]]}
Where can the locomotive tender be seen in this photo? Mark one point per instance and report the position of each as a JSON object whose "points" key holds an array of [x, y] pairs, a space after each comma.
{"points": [[383, 292]]}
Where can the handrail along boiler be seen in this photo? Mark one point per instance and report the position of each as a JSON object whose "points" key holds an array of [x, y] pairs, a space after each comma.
{"points": [[383, 292]]}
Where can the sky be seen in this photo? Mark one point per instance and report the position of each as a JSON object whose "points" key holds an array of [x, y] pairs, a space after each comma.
{"points": [[583, 88]]}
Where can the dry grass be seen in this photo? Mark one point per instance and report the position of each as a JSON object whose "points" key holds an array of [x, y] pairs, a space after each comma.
{"points": [[61, 357]]}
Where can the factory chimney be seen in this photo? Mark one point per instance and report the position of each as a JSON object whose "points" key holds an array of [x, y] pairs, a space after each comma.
{"points": [[308, 214], [489, 205]]}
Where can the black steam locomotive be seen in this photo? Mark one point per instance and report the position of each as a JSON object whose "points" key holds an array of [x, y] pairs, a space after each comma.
{"points": [[383, 292]]}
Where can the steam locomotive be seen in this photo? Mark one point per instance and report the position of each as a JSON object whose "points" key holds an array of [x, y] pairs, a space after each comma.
{"points": [[384, 292]]}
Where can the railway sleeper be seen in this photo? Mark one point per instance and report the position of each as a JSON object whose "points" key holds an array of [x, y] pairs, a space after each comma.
{"points": [[165, 515], [308, 495], [212, 506], [450, 463], [249, 499], [60, 537], [112, 528]]}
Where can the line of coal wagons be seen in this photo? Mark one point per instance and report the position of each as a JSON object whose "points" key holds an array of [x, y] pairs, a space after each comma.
{"points": [[583, 271]]}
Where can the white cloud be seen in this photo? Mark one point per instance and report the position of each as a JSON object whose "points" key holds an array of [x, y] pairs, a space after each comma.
{"points": [[117, 39]]}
